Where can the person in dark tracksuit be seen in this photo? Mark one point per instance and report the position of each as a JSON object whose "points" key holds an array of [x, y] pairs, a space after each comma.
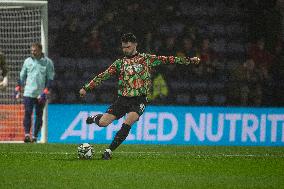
{"points": [[36, 77]]}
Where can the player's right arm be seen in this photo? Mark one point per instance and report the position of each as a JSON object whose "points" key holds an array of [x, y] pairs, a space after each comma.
{"points": [[24, 72], [112, 70], [23, 77]]}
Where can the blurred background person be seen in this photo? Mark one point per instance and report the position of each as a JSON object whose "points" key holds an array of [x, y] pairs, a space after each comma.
{"points": [[93, 44], [36, 77], [247, 86], [160, 90], [68, 41]]}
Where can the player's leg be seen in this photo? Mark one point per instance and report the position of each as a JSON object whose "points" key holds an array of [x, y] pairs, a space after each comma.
{"points": [[102, 120], [135, 108], [28, 105], [115, 111], [38, 122], [121, 135]]}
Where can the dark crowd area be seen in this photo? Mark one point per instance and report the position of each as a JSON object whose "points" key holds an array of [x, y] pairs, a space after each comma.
{"points": [[240, 44]]}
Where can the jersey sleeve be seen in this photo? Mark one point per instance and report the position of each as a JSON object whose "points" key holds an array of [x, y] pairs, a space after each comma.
{"points": [[50, 70], [112, 70], [155, 60], [23, 73]]}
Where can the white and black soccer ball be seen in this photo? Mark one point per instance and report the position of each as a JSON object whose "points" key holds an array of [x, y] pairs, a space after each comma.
{"points": [[85, 151]]}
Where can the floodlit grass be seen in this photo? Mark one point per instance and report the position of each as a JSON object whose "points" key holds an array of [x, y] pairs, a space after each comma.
{"points": [[141, 166]]}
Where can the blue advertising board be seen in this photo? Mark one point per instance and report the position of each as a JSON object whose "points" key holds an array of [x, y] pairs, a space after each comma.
{"points": [[181, 125]]}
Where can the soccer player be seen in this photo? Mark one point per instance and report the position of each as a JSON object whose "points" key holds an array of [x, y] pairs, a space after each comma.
{"points": [[36, 74], [4, 82], [134, 80]]}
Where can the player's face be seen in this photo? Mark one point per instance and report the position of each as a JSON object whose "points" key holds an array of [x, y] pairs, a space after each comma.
{"points": [[36, 52], [128, 48]]}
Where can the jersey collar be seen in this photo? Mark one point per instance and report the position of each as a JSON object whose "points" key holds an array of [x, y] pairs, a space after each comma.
{"points": [[132, 56]]}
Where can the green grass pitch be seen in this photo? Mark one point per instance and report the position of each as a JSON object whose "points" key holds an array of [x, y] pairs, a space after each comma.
{"points": [[141, 166]]}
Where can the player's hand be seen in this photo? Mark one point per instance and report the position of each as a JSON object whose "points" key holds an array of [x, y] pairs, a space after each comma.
{"points": [[195, 60], [82, 92], [43, 96], [17, 92]]}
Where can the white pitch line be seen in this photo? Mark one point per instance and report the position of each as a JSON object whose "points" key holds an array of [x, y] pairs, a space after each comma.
{"points": [[156, 153], [204, 155]]}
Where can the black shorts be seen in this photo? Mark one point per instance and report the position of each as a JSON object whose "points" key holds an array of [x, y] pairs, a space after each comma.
{"points": [[124, 105]]}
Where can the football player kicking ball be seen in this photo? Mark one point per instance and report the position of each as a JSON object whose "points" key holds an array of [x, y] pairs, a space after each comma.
{"points": [[134, 80]]}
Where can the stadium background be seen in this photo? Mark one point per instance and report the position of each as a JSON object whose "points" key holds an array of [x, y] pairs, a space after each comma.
{"points": [[206, 143], [238, 84], [84, 38]]}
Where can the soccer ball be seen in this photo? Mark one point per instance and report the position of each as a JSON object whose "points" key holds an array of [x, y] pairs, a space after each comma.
{"points": [[85, 151]]}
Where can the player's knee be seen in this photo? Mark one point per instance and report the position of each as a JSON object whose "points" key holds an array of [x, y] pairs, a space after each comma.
{"points": [[103, 123], [100, 122], [132, 118]]}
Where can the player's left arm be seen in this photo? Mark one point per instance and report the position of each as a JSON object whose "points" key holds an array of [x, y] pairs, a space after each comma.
{"points": [[50, 74], [112, 70], [4, 82], [158, 60], [49, 80], [22, 79]]}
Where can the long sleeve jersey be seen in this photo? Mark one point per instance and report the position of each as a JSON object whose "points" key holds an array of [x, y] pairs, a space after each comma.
{"points": [[134, 73], [36, 73]]}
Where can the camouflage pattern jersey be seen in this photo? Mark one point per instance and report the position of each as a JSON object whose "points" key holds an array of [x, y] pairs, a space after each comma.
{"points": [[134, 73]]}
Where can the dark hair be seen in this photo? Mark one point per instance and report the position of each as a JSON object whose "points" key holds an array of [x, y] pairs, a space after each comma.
{"points": [[128, 37], [38, 45]]}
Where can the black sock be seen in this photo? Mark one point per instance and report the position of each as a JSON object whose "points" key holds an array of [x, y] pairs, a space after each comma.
{"points": [[120, 136], [97, 119]]}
